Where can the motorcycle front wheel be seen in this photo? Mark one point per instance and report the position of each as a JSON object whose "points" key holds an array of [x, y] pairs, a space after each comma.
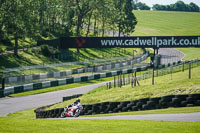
{"points": [[77, 113]]}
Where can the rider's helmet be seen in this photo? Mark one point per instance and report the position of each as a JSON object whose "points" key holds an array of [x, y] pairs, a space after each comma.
{"points": [[78, 100]]}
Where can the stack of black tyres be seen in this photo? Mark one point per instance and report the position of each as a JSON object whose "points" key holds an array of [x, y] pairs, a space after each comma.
{"points": [[54, 113], [152, 103], [193, 100], [165, 101]]}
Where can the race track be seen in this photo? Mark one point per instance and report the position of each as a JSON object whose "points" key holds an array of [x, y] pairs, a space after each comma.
{"points": [[12, 105], [169, 55], [189, 117]]}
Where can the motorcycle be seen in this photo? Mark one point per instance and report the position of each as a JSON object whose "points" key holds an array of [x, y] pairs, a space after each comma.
{"points": [[72, 111]]}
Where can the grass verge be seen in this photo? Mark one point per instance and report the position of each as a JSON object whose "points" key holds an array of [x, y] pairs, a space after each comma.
{"points": [[89, 126], [24, 122]]}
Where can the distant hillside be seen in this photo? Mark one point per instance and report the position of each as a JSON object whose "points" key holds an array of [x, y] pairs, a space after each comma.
{"points": [[167, 23]]}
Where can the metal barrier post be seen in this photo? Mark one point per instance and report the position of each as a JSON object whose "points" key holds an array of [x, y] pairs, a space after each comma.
{"points": [[3, 83]]}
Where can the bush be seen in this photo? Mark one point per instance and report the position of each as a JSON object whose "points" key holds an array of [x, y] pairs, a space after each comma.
{"points": [[48, 50]]}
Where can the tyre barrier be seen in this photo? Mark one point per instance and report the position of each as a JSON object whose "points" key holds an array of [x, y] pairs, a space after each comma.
{"points": [[127, 106], [46, 84], [62, 74], [71, 97]]}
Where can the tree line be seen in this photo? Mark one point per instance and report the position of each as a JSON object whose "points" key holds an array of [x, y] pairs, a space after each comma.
{"points": [[140, 6], [35, 18], [178, 6]]}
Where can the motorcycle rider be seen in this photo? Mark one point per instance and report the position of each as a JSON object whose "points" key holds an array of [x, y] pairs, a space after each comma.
{"points": [[73, 106], [74, 103]]}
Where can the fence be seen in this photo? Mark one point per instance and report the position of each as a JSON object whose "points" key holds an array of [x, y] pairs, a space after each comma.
{"points": [[132, 78]]}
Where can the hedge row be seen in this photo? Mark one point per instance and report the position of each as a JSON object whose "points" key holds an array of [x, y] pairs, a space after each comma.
{"points": [[126, 106]]}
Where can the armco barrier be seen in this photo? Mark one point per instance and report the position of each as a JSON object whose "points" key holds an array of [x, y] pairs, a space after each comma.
{"points": [[126, 106], [108, 74], [84, 78], [9, 91], [1, 93], [18, 89], [37, 86], [54, 83], [97, 76], [70, 80]]}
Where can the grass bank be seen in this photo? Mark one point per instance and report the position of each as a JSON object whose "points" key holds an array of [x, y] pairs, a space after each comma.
{"points": [[190, 53], [177, 83], [165, 23]]}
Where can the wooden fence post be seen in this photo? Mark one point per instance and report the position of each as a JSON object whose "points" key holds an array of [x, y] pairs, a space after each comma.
{"points": [[110, 85], [132, 82], [153, 77], [171, 72], [114, 82], [135, 78], [189, 70], [124, 79]]}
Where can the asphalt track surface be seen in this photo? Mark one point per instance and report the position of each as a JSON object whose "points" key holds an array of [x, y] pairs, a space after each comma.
{"points": [[12, 105], [169, 55], [187, 117]]}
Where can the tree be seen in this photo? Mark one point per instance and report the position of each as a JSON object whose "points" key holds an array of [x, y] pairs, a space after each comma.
{"points": [[129, 18], [142, 6], [15, 24], [178, 6], [193, 7], [37, 19]]}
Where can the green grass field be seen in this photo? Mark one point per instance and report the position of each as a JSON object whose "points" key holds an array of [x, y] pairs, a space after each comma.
{"points": [[190, 53], [99, 126], [165, 23]]}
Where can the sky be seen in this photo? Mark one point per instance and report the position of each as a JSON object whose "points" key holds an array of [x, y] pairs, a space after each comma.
{"points": [[167, 2]]}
